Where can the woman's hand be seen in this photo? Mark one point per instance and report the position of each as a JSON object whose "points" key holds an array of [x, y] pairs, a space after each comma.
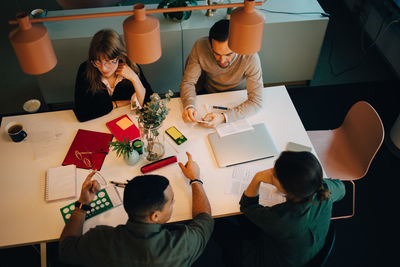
{"points": [[265, 176], [125, 71]]}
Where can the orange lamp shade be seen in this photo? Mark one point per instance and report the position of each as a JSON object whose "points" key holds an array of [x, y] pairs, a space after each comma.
{"points": [[142, 36], [32, 46], [246, 29]]}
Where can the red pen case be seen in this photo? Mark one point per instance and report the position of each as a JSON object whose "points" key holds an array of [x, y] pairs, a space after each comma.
{"points": [[158, 164]]}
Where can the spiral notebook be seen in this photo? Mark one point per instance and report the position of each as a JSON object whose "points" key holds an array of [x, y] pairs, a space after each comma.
{"points": [[60, 183]]}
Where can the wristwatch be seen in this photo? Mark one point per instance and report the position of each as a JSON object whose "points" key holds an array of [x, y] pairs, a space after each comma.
{"points": [[82, 206]]}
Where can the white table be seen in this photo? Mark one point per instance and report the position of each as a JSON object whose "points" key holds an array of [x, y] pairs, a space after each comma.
{"points": [[26, 218]]}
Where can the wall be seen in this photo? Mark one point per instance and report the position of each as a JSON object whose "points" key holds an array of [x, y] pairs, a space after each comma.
{"points": [[372, 13]]}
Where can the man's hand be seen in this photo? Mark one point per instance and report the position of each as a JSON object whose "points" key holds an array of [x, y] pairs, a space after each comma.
{"points": [[191, 170], [189, 115], [200, 203], [89, 189], [213, 119], [74, 226]]}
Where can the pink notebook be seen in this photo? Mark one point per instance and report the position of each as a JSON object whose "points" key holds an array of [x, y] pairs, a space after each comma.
{"points": [[123, 127]]}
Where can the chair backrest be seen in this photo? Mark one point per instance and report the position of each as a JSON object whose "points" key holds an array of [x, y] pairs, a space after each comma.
{"points": [[321, 257], [364, 133]]}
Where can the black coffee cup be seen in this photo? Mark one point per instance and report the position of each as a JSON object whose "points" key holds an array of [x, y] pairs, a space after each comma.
{"points": [[16, 131]]}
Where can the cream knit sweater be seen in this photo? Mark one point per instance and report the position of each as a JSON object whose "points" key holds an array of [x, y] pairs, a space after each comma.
{"points": [[243, 72]]}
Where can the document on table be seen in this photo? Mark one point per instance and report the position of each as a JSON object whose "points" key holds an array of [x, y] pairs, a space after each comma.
{"points": [[45, 139], [238, 126], [242, 176]]}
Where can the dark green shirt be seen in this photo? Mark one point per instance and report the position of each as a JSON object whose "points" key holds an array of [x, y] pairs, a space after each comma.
{"points": [[140, 244], [292, 232]]}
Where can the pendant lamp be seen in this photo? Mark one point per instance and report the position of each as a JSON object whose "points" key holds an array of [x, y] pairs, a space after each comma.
{"points": [[142, 36], [32, 46], [246, 29]]}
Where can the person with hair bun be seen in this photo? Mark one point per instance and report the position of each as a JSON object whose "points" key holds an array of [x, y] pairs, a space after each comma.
{"points": [[293, 232]]}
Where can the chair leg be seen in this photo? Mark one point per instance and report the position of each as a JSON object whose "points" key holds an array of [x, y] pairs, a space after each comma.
{"points": [[354, 205]]}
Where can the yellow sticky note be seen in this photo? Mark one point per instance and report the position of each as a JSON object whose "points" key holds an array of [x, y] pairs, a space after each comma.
{"points": [[124, 123]]}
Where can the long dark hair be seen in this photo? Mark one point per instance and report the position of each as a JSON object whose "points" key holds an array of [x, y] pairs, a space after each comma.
{"points": [[106, 44], [300, 175]]}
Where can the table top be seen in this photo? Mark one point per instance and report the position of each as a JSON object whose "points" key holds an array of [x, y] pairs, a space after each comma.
{"points": [[27, 218]]}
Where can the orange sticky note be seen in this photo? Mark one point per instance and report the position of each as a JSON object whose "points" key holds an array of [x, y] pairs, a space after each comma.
{"points": [[124, 123]]}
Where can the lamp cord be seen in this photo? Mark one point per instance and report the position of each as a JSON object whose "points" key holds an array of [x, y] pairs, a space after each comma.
{"points": [[364, 50], [324, 14]]}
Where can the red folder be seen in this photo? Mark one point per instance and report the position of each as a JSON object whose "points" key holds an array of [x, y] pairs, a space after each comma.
{"points": [[123, 127], [88, 150]]}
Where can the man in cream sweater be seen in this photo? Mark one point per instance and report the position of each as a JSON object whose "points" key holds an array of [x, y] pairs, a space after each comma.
{"points": [[223, 70]]}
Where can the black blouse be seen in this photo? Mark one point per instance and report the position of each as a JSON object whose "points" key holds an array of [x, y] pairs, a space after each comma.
{"points": [[90, 106]]}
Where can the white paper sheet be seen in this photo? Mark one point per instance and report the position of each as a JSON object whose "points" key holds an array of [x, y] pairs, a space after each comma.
{"points": [[242, 176], [235, 127]]}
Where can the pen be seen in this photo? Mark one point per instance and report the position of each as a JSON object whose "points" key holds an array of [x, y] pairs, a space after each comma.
{"points": [[219, 107], [118, 184]]}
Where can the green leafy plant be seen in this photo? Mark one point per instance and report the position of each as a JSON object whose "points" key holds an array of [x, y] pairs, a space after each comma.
{"points": [[122, 148], [177, 3], [153, 112]]}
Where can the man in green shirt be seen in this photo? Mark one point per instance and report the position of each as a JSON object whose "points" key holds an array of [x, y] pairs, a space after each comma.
{"points": [[145, 240], [292, 232]]}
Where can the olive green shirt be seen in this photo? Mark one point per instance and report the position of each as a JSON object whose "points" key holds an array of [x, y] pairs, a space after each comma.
{"points": [[292, 232], [140, 244]]}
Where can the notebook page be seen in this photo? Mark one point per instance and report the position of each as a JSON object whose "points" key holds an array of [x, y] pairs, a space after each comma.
{"points": [[61, 182]]}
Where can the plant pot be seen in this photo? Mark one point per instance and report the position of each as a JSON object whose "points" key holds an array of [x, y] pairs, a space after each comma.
{"points": [[153, 142], [132, 158], [177, 16]]}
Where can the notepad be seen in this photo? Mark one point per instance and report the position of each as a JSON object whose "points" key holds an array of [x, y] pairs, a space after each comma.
{"points": [[60, 183], [123, 128]]}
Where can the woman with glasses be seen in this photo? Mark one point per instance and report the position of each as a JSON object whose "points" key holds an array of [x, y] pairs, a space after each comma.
{"points": [[108, 79]]}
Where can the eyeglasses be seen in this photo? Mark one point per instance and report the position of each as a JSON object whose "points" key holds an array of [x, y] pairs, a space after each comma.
{"points": [[88, 163], [108, 63]]}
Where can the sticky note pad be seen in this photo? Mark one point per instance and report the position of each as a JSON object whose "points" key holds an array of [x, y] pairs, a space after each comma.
{"points": [[124, 123]]}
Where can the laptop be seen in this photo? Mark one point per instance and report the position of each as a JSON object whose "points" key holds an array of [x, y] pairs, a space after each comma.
{"points": [[243, 147]]}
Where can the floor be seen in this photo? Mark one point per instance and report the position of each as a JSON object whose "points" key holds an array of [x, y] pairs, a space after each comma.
{"points": [[344, 76]]}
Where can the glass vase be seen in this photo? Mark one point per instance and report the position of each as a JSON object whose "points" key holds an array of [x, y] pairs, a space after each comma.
{"points": [[153, 141]]}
